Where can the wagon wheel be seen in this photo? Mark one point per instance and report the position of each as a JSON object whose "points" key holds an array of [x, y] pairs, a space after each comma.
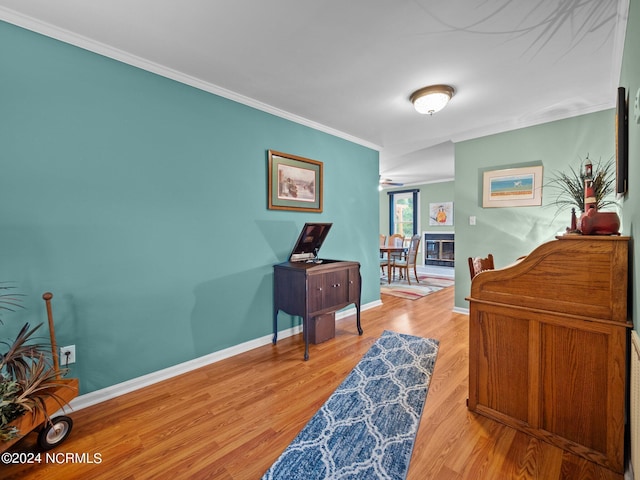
{"points": [[55, 432]]}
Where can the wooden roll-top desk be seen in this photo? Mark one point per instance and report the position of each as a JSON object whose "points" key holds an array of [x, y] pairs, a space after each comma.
{"points": [[548, 345]]}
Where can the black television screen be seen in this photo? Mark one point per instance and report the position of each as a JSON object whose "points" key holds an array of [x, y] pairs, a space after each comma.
{"points": [[309, 241]]}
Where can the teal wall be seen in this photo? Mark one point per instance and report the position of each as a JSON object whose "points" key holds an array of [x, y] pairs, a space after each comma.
{"points": [[140, 203], [509, 233], [429, 193], [630, 79]]}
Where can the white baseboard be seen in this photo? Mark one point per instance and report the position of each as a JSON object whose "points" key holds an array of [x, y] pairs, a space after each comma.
{"points": [[464, 311], [128, 386]]}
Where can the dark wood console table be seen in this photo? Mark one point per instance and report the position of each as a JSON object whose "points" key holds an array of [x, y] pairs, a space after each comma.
{"points": [[309, 289]]}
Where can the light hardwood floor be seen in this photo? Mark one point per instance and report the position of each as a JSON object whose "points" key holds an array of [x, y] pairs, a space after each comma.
{"points": [[232, 419]]}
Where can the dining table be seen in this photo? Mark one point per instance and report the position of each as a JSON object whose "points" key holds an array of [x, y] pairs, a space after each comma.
{"points": [[389, 249]]}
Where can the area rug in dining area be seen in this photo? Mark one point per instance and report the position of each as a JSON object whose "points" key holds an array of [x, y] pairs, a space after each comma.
{"points": [[367, 427], [427, 286]]}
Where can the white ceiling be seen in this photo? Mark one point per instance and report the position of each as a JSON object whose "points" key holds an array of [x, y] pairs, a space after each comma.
{"points": [[348, 67]]}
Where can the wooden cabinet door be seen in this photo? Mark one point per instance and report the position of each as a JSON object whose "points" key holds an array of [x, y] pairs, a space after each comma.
{"points": [[316, 292], [336, 289], [354, 284], [328, 289], [583, 384], [499, 352]]}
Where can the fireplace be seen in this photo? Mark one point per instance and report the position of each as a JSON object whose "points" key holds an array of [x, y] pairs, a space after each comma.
{"points": [[439, 249]]}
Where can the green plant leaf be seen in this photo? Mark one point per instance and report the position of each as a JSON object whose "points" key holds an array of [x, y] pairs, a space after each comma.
{"points": [[568, 187]]}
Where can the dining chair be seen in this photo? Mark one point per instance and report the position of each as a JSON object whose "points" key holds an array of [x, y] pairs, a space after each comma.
{"points": [[479, 264], [383, 242], [396, 240], [410, 260], [384, 264]]}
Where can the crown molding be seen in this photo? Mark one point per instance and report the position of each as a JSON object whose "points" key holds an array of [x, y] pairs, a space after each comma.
{"points": [[530, 121], [80, 41]]}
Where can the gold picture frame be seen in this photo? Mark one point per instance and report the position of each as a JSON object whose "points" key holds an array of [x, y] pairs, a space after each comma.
{"points": [[295, 183]]}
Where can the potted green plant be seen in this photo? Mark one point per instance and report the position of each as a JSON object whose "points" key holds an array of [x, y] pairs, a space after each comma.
{"points": [[569, 190], [29, 382], [569, 187]]}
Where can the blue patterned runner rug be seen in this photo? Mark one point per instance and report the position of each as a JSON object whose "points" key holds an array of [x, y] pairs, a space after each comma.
{"points": [[367, 427]]}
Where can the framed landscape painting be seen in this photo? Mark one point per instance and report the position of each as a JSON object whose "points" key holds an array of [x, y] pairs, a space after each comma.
{"points": [[512, 187], [295, 183]]}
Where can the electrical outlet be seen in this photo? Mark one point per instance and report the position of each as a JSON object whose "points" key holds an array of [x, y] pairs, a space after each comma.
{"points": [[67, 355]]}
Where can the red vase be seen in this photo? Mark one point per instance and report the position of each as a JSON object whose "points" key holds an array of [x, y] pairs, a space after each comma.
{"points": [[594, 222]]}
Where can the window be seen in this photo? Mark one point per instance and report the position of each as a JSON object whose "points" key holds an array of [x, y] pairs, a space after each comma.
{"points": [[403, 212]]}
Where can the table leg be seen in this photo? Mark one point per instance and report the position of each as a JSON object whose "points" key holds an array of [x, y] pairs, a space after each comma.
{"points": [[275, 325], [305, 334]]}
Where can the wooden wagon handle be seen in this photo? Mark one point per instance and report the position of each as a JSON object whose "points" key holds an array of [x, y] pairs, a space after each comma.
{"points": [[47, 296]]}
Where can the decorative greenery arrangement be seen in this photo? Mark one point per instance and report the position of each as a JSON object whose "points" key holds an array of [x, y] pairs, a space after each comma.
{"points": [[569, 187], [27, 375]]}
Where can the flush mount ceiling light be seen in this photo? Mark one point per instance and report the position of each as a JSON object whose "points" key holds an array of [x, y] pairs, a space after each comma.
{"points": [[432, 99]]}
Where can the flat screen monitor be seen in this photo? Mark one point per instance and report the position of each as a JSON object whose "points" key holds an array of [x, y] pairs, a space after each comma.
{"points": [[309, 241]]}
